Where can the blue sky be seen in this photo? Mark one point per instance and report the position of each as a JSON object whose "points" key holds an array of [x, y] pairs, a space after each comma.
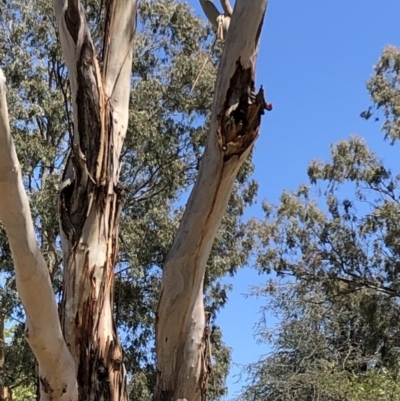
{"points": [[315, 58]]}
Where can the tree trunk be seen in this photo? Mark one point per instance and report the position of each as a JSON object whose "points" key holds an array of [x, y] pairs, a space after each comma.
{"points": [[90, 358], [90, 197], [181, 336]]}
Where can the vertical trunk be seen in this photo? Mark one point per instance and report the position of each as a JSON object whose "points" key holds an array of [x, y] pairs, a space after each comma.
{"points": [[90, 194], [183, 360], [88, 301], [89, 206]]}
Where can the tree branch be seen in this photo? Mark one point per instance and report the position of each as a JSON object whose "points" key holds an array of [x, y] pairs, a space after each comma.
{"points": [[226, 5], [119, 33], [234, 127], [211, 12], [57, 369]]}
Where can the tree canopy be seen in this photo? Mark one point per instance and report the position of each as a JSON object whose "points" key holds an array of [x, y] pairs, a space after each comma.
{"points": [[333, 249]]}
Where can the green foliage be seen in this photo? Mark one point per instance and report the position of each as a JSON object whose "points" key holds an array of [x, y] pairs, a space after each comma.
{"points": [[334, 253], [384, 89], [22, 393], [334, 346], [340, 238], [21, 370], [375, 386]]}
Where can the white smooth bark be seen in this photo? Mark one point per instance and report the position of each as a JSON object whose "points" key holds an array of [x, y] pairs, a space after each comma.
{"points": [[117, 69], [234, 127], [43, 330]]}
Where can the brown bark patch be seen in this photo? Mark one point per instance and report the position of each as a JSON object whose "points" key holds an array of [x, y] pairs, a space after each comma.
{"points": [[45, 385], [240, 119], [72, 20], [88, 99], [260, 29]]}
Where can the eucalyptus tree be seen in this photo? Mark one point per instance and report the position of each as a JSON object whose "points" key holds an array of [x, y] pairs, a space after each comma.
{"points": [[336, 293], [335, 252], [79, 353], [161, 157], [334, 345]]}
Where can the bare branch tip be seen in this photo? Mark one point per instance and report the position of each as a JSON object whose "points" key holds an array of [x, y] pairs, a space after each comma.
{"points": [[226, 5]]}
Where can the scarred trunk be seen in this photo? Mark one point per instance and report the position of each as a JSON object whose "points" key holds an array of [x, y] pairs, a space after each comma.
{"points": [[86, 362], [183, 357], [89, 212], [88, 302], [90, 194]]}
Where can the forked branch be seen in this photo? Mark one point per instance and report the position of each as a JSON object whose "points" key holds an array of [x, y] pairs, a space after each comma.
{"points": [[234, 127], [219, 21]]}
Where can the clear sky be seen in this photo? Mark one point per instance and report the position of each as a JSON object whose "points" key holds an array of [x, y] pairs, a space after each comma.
{"points": [[315, 58]]}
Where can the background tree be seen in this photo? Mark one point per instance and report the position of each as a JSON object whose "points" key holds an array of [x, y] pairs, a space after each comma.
{"points": [[335, 347], [40, 96], [336, 258]]}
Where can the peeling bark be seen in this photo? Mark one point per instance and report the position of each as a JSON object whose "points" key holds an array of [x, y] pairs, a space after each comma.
{"points": [[90, 201], [90, 358], [234, 127]]}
